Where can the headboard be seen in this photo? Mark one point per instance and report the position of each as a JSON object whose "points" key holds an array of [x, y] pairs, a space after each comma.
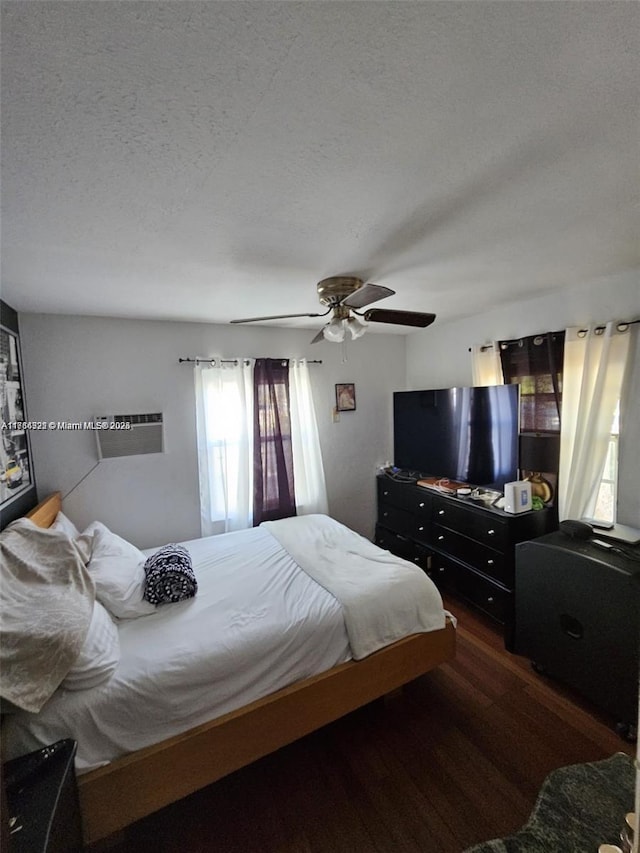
{"points": [[45, 513]]}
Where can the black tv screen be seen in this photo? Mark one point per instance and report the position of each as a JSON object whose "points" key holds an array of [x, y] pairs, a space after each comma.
{"points": [[464, 434]]}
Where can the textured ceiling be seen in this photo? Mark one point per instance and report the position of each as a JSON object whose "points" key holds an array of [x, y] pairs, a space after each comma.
{"points": [[209, 160]]}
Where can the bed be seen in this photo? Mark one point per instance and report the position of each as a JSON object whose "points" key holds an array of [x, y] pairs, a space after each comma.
{"points": [[299, 694]]}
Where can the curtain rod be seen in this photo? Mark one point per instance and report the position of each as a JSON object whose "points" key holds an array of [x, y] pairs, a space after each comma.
{"points": [[228, 361], [621, 326]]}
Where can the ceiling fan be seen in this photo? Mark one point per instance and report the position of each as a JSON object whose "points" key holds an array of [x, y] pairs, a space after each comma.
{"points": [[343, 295]]}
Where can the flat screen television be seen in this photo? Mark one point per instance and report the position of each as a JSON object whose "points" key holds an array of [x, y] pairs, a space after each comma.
{"points": [[464, 434]]}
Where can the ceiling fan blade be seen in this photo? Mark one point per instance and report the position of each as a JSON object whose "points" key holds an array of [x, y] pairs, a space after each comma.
{"points": [[401, 318], [319, 337], [367, 294], [278, 317]]}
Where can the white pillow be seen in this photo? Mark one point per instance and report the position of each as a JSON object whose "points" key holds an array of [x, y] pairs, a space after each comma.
{"points": [[65, 525], [99, 655], [117, 569]]}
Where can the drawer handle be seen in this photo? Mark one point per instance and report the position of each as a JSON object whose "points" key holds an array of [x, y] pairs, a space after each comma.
{"points": [[489, 562], [440, 538], [421, 504], [441, 569], [440, 512], [416, 559], [385, 494], [490, 600], [571, 627], [491, 532], [421, 529]]}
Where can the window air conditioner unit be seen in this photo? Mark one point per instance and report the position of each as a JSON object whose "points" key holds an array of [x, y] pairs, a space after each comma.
{"points": [[129, 435]]}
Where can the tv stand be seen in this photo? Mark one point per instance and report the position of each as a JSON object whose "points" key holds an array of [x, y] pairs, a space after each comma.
{"points": [[465, 547]]}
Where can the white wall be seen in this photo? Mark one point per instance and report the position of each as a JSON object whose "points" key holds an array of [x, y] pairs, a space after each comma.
{"points": [[76, 367], [441, 358]]}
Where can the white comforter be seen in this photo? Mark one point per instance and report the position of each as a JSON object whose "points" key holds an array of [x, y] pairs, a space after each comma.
{"points": [[383, 597], [258, 623]]}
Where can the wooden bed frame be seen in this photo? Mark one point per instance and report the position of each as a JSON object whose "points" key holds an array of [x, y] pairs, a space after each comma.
{"points": [[142, 782]]}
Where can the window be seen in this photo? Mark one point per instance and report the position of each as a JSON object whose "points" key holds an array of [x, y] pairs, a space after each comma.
{"points": [[605, 503], [253, 430], [224, 415], [536, 364]]}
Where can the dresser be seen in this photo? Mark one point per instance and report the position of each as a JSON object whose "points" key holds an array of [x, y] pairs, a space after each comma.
{"points": [[466, 548]]}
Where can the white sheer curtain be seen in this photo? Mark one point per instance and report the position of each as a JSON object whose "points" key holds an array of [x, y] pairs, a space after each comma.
{"points": [[594, 363], [224, 419], [308, 471], [224, 423], [485, 364]]}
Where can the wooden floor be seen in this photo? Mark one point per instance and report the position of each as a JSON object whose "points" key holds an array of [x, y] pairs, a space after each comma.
{"points": [[455, 758]]}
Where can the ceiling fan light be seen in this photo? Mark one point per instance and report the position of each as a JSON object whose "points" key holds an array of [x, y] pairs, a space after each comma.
{"points": [[356, 327], [334, 331]]}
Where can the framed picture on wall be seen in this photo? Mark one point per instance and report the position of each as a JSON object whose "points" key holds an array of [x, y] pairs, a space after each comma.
{"points": [[346, 397], [17, 486]]}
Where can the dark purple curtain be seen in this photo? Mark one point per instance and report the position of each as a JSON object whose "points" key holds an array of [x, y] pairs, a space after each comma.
{"points": [[536, 364], [273, 495]]}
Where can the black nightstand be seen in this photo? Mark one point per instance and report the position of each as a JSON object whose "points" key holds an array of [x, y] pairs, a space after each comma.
{"points": [[42, 800]]}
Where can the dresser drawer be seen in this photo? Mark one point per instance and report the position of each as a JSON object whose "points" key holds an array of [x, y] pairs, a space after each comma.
{"points": [[481, 525], [444, 572], [384, 538], [404, 496], [486, 560], [403, 521], [403, 547], [421, 502], [399, 520], [493, 600]]}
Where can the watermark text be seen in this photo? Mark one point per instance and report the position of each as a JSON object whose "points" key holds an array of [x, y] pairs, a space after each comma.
{"points": [[62, 426]]}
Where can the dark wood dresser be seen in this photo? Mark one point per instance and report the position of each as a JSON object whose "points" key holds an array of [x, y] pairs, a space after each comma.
{"points": [[466, 548]]}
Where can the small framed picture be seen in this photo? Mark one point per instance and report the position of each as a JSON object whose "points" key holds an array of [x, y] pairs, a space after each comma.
{"points": [[346, 397]]}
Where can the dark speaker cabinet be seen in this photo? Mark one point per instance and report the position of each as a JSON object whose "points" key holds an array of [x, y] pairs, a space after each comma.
{"points": [[576, 618], [41, 803], [466, 548]]}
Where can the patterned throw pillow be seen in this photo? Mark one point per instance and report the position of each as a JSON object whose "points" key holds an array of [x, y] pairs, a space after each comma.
{"points": [[169, 575]]}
